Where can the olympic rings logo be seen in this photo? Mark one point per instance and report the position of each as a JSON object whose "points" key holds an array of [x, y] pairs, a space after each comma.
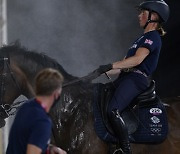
{"points": [[155, 130]]}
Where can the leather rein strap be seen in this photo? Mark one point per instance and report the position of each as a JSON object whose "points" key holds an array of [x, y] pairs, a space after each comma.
{"points": [[89, 77]]}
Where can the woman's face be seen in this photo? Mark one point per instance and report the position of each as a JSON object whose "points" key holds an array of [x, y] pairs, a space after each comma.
{"points": [[143, 17]]}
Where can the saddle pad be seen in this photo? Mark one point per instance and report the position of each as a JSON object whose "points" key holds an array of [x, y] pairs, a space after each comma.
{"points": [[153, 124], [99, 126]]}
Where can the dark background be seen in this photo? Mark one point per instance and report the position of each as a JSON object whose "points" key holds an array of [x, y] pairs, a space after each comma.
{"points": [[167, 75], [83, 34]]}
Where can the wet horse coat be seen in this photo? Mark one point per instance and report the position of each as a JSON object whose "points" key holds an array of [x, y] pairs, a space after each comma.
{"points": [[72, 117]]}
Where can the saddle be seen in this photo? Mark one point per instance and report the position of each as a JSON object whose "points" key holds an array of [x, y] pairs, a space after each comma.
{"points": [[145, 115], [106, 93]]}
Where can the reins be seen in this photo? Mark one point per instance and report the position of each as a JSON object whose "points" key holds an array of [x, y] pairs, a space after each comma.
{"points": [[89, 77]]}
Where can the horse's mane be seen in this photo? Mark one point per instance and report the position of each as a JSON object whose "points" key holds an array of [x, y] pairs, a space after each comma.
{"points": [[40, 58]]}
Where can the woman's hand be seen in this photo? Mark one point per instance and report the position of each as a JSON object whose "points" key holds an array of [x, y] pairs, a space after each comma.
{"points": [[104, 68]]}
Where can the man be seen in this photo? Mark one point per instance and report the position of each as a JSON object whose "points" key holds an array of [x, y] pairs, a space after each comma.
{"points": [[31, 129]]}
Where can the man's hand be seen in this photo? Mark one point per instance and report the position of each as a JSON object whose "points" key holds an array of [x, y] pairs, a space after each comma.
{"points": [[57, 150]]}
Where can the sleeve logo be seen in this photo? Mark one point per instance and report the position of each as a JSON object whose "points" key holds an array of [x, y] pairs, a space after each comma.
{"points": [[148, 42]]}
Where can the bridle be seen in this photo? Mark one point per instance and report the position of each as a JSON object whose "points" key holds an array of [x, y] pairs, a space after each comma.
{"points": [[5, 109]]}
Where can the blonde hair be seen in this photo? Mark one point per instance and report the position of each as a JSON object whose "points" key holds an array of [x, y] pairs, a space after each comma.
{"points": [[161, 31], [159, 26], [47, 81]]}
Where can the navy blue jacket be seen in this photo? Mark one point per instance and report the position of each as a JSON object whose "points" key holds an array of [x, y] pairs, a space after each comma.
{"points": [[31, 125]]}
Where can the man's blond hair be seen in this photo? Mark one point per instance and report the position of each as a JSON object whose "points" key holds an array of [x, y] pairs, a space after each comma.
{"points": [[47, 81]]}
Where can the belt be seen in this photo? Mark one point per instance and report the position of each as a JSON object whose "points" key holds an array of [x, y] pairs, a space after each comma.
{"points": [[135, 70]]}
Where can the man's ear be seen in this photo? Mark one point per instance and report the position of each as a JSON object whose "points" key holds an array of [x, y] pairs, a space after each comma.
{"points": [[57, 93], [54, 94]]}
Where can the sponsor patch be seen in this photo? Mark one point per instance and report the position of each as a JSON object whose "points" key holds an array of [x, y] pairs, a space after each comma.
{"points": [[155, 111], [155, 120], [133, 46]]}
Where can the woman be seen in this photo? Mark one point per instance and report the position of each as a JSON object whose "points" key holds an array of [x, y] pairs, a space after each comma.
{"points": [[139, 63]]}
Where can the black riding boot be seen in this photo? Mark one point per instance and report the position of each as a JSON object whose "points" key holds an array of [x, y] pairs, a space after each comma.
{"points": [[121, 131]]}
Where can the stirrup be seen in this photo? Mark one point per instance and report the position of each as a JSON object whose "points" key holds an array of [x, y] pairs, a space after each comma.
{"points": [[115, 149], [118, 151]]}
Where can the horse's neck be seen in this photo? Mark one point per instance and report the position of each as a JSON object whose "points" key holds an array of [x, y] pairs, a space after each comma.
{"points": [[28, 69], [31, 67]]}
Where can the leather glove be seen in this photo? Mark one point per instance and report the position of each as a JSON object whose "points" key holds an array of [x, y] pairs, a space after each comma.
{"points": [[104, 68]]}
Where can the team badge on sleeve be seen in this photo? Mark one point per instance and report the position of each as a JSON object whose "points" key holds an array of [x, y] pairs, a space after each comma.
{"points": [[148, 42]]}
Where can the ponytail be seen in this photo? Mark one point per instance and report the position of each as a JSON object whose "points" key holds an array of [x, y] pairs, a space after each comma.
{"points": [[161, 30]]}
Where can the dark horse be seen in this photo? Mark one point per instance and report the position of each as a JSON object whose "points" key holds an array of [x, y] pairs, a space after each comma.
{"points": [[72, 117]]}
